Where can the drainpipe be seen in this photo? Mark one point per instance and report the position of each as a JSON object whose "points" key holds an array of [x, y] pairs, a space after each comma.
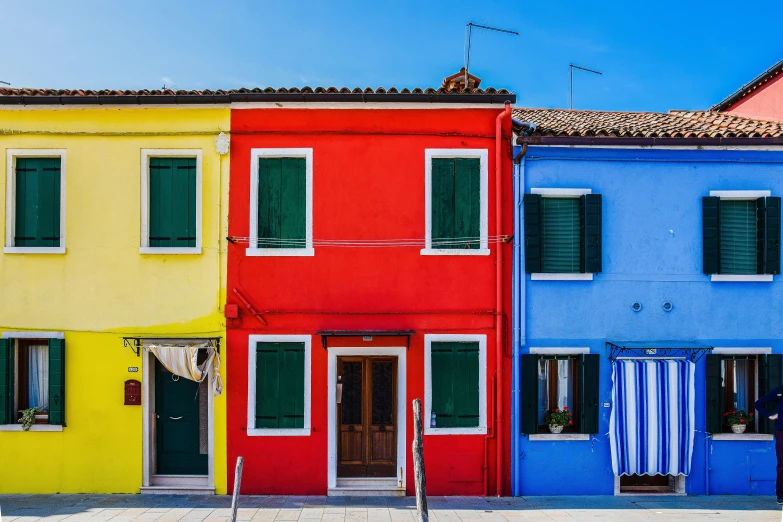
{"points": [[499, 292]]}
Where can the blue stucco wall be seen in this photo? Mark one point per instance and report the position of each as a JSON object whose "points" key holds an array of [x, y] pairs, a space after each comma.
{"points": [[652, 252]]}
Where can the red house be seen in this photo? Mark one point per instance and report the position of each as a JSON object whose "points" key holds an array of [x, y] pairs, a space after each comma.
{"points": [[369, 249]]}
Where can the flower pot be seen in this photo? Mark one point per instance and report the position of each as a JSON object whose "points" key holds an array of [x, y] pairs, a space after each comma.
{"points": [[42, 418], [738, 428], [555, 429]]}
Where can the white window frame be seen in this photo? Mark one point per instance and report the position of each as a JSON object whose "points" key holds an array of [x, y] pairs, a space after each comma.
{"points": [[252, 431], [483, 156], [533, 437], [255, 155], [10, 199], [481, 339], [146, 154], [561, 193], [31, 335], [741, 195]]}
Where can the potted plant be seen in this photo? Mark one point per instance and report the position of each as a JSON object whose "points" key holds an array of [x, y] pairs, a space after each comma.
{"points": [[557, 419], [28, 417], [738, 420]]}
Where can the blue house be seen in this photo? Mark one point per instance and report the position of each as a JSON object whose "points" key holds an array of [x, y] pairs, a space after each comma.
{"points": [[648, 302]]}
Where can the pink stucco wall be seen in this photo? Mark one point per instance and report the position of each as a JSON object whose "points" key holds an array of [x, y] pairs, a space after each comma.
{"points": [[765, 103]]}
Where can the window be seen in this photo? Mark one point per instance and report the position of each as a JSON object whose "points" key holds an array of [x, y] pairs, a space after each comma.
{"points": [[559, 378], [35, 202], [562, 233], [456, 202], [171, 201], [741, 235], [281, 202], [32, 374], [455, 382], [279, 385]]}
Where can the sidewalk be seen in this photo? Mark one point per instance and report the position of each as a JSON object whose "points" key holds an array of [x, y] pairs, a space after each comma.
{"points": [[165, 508]]}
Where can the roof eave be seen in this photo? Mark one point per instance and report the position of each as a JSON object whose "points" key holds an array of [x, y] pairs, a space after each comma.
{"points": [[649, 142], [739, 93]]}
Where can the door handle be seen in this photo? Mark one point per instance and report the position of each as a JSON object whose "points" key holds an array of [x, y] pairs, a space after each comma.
{"points": [[176, 418]]}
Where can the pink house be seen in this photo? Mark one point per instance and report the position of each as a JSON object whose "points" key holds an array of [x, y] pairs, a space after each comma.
{"points": [[760, 98]]}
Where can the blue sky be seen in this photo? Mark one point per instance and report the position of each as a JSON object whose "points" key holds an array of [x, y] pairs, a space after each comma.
{"points": [[654, 55]]}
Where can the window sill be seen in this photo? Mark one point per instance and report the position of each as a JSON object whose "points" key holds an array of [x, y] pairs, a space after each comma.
{"points": [[172, 250], [280, 252], [34, 250], [454, 252], [558, 436], [277, 432], [561, 277], [34, 427], [738, 278], [743, 436], [480, 430]]}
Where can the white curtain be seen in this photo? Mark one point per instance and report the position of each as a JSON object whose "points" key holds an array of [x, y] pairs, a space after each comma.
{"points": [[38, 383], [182, 360]]}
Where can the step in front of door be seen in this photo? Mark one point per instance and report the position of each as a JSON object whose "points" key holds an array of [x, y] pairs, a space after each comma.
{"points": [[177, 490], [367, 487]]}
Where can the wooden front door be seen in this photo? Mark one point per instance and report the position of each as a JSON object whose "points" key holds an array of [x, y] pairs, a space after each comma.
{"points": [[367, 417]]}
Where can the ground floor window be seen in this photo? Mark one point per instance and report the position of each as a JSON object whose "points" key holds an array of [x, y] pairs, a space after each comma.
{"points": [[557, 389]]}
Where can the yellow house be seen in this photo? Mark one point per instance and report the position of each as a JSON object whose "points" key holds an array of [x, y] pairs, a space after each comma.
{"points": [[114, 226]]}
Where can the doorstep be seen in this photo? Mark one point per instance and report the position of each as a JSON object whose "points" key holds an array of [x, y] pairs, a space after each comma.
{"points": [[366, 487], [177, 490]]}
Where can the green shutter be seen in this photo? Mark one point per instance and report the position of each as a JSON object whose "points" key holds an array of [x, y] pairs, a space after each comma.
{"points": [[588, 392], [456, 202], [528, 421], [443, 203], [292, 385], [282, 201], [770, 377], [442, 372], [711, 234], [738, 236], [591, 233], [37, 202], [279, 385], [532, 210], [466, 384], [561, 235], [714, 394], [6, 381], [769, 235], [172, 205], [267, 385], [57, 381]]}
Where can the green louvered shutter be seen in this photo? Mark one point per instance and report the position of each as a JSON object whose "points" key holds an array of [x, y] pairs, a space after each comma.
{"points": [[714, 394], [738, 236], [532, 210], [456, 203], [172, 202], [6, 381], [57, 381], [711, 234], [588, 392], [769, 249], [442, 373], [770, 377], [37, 202], [528, 400], [282, 202], [465, 383], [561, 233], [591, 233], [292, 385]]}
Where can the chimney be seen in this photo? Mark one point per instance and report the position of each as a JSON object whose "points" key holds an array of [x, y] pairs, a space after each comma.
{"points": [[457, 81]]}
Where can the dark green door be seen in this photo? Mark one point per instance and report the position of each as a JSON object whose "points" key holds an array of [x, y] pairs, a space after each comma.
{"points": [[177, 425]]}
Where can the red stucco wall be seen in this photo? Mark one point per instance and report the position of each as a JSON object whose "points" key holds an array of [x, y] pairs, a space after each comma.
{"points": [[765, 103], [368, 183]]}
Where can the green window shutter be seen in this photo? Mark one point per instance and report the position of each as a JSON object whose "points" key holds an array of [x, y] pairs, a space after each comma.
{"points": [[444, 211], [528, 421], [714, 394], [738, 237], [282, 201], [466, 384], [561, 235], [267, 385], [532, 209], [588, 392], [591, 233], [456, 203], [6, 381], [770, 377], [280, 385], [292, 385], [172, 205], [442, 377], [711, 234], [57, 381], [37, 201], [769, 235]]}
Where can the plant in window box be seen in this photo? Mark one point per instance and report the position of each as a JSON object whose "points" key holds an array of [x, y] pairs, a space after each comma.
{"points": [[738, 420], [557, 419], [29, 417]]}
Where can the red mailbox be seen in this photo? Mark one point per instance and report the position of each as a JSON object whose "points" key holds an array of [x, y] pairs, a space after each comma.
{"points": [[132, 392]]}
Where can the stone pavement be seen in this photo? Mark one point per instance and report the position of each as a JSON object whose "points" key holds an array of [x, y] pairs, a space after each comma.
{"points": [[171, 508]]}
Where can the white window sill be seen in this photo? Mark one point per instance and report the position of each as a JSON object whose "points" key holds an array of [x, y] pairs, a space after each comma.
{"points": [[172, 250], [558, 436], [737, 278], [34, 427], [455, 252], [279, 252], [561, 277], [480, 430], [278, 432], [743, 436], [34, 250]]}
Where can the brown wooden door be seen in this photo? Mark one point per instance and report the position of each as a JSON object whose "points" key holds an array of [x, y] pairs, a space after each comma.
{"points": [[367, 417]]}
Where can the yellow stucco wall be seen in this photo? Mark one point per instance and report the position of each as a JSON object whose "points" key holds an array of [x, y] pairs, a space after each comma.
{"points": [[102, 288]]}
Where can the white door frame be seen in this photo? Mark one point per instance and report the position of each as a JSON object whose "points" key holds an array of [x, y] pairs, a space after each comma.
{"points": [[402, 399], [147, 411]]}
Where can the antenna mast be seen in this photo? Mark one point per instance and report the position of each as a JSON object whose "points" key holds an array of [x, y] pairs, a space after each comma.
{"points": [[469, 33], [571, 68]]}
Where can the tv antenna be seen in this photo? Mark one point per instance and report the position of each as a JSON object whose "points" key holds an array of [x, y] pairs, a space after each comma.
{"points": [[4, 83], [469, 33], [571, 68]]}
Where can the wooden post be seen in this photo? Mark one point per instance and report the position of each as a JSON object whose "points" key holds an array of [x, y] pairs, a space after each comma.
{"points": [[237, 486], [420, 478]]}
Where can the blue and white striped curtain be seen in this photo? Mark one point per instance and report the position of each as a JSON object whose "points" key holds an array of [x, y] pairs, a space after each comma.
{"points": [[653, 417]]}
